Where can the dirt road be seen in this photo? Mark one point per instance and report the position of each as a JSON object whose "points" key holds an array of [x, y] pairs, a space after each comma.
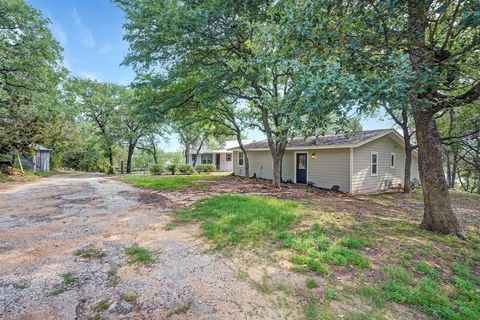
{"points": [[42, 225]]}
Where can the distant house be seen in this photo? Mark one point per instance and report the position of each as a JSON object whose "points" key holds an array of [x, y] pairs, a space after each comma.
{"points": [[364, 162], [221, 157], [40, 161]]}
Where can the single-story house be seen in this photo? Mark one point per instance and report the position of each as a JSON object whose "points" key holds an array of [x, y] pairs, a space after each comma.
{"points": [[364, 162], [220, 157]]}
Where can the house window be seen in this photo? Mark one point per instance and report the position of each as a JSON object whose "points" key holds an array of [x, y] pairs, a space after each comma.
{"points": [[374, 164], [392, 160], [240, 159], [194, 158], [207, 158], [229, 157], [302, 162]]}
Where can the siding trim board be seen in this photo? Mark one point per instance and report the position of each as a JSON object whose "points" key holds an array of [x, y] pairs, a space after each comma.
{"points": [[350, 189]]}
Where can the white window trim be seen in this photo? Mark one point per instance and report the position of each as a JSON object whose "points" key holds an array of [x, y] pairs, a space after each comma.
{"points": [[394, 160], [371, 164], [295, 165], [206, 156], [238, 160], [226, 157]]}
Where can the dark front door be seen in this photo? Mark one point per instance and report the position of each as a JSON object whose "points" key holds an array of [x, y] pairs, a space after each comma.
{"points": [[301, 168], [217, 160]]}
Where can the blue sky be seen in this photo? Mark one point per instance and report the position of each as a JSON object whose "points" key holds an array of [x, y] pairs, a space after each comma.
{"points": [[90, 31]]}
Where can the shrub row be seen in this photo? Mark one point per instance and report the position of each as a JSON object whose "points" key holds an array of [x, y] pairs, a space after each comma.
{"points": [[182, 168]]}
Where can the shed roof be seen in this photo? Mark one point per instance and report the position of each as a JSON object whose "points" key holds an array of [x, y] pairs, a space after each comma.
{"points": [[39, 147], [329, 141]]}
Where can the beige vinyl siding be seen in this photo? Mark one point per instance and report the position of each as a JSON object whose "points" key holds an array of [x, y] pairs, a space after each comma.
{"points": [[287, 166], [363, 181], [239, 171], [414, 170], [260, 164], [331, 167]]}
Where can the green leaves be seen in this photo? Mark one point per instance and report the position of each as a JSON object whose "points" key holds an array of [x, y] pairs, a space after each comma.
{"points": [[30, 72]]}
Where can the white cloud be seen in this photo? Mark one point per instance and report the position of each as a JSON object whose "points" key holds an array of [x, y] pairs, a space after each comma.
{"points": [[85, 34], [60, 34], [66, 63], [88, 75], [106, 48]]}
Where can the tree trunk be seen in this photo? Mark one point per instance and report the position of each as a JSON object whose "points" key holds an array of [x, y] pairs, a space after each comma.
{"points": [[131, 149], [454, 168], [438, 213], [198, 151], [478, 185], [245, 155], [187, 153], [407, 188], [110, 159], [478, 163], [277, 149], [154, 150], [277, 168]]}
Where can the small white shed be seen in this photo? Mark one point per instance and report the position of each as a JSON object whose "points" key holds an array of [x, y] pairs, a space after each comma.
{"points": [[41, 159]]}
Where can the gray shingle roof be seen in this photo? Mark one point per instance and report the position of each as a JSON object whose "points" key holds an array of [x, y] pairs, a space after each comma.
{"points": [[336, 141]]}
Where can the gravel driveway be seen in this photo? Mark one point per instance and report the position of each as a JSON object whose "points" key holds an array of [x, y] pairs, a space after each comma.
{"points": [[42, 225]]}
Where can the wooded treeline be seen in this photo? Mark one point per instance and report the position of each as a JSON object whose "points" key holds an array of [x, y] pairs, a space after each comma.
{"points": [[209, 69]]}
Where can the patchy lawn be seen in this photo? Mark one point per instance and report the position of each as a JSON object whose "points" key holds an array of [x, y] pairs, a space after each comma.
{"points": [[242, 219], [360, 257], [177, 182]]}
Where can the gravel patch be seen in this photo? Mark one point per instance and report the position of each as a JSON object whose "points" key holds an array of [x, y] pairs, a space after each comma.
{"points": [[62, 257]]}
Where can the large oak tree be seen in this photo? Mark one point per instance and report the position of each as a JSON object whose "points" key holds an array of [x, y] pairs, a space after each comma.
{"points": [[233, 47], [425, 52]]}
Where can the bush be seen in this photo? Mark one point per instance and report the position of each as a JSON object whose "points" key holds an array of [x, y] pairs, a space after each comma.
{"points": [[157, 169], [185, 168], [172, 168], [204, 168]]}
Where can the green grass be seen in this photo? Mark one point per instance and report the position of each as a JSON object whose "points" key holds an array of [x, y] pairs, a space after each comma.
{"points": [[20, 286], [458, 298], [311, 311], [169, 182], [102, 305], [89, 252], [311, 283], [353, 243], [68, 278], [113, 279], [313, 248], [341, 256], [331, 294], [129, 297], [139, 255], [230, 220], [426, 269], [57, 290], [180, 308]]}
